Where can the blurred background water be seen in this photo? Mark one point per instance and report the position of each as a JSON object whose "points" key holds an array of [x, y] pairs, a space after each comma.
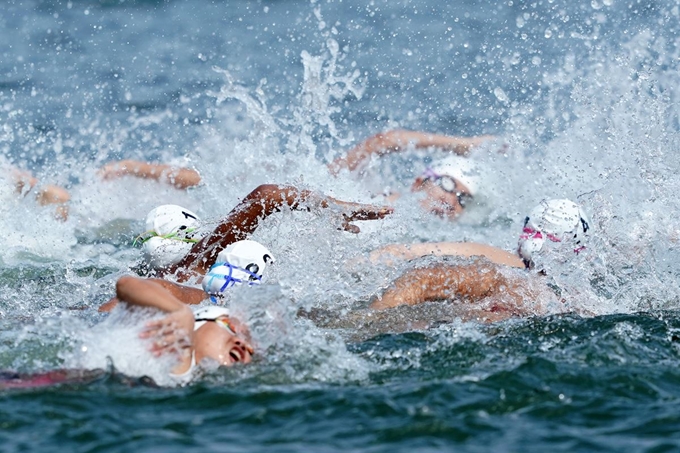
{"points": [[584, 98]]}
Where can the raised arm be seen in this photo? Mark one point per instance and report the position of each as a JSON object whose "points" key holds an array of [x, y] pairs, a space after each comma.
{"points": [[179, 177], [147, 293], [392, 252], [399, 140], [470, 283], [257, 206], [185, 294]]}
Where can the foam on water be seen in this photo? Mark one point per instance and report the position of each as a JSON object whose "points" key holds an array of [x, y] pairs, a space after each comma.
{"points": [[115, 342]]}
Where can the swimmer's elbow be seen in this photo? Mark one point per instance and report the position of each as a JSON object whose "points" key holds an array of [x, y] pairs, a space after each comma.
{"points": [[274, 195], [125, 287], [264, 192]]}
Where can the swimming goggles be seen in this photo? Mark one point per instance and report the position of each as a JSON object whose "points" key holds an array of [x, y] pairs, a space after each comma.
{"points": [[179, 235], [530, 233], [229, 279], [448, 184], [225, 323]]}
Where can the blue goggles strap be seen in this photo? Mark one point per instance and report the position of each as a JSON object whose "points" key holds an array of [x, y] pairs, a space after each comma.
{"points": [[229, 280]]}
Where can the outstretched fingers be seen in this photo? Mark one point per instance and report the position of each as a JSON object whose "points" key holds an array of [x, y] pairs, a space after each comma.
{"points": [[167, 337]]}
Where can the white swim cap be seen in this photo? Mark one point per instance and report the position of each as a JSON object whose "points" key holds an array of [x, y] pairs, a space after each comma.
{"points": [[171, 221], [556, 220], [209, 313], [249, 255], [171, 231], [464, 169], [241, 262]]}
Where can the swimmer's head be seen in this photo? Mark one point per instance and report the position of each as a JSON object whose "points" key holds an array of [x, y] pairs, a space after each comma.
{"points": [[240, 262], [557, 220], [451, 184], [171, 231], [220, 337], [172, 222], [465, 170]]}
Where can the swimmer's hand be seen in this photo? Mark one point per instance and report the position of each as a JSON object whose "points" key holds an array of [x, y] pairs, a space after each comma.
{"points": [[358, 211], [172, 334]]}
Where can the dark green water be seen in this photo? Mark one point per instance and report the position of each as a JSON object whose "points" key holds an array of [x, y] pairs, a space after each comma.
{"points": [[609, 383]]}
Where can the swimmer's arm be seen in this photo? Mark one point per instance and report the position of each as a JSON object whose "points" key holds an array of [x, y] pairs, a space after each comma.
{"points": [[186, 294], [147, 293], [179, 177], [257, 206], [442, 282], [392, 252], [399, 140]]}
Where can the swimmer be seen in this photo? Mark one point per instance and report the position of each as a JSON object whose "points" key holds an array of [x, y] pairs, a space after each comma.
{"points": [[479, 282], [179, 177], [209, 333], [490, 288], [549, 220], [193, 253], [449, 185], [243, 262]]}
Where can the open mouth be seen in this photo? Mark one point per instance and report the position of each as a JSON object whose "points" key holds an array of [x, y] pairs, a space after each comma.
{"points": [[236, 355]]}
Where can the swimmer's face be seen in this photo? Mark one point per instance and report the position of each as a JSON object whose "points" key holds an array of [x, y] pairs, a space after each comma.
{"points": [[225, 340], [444, 203]]}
